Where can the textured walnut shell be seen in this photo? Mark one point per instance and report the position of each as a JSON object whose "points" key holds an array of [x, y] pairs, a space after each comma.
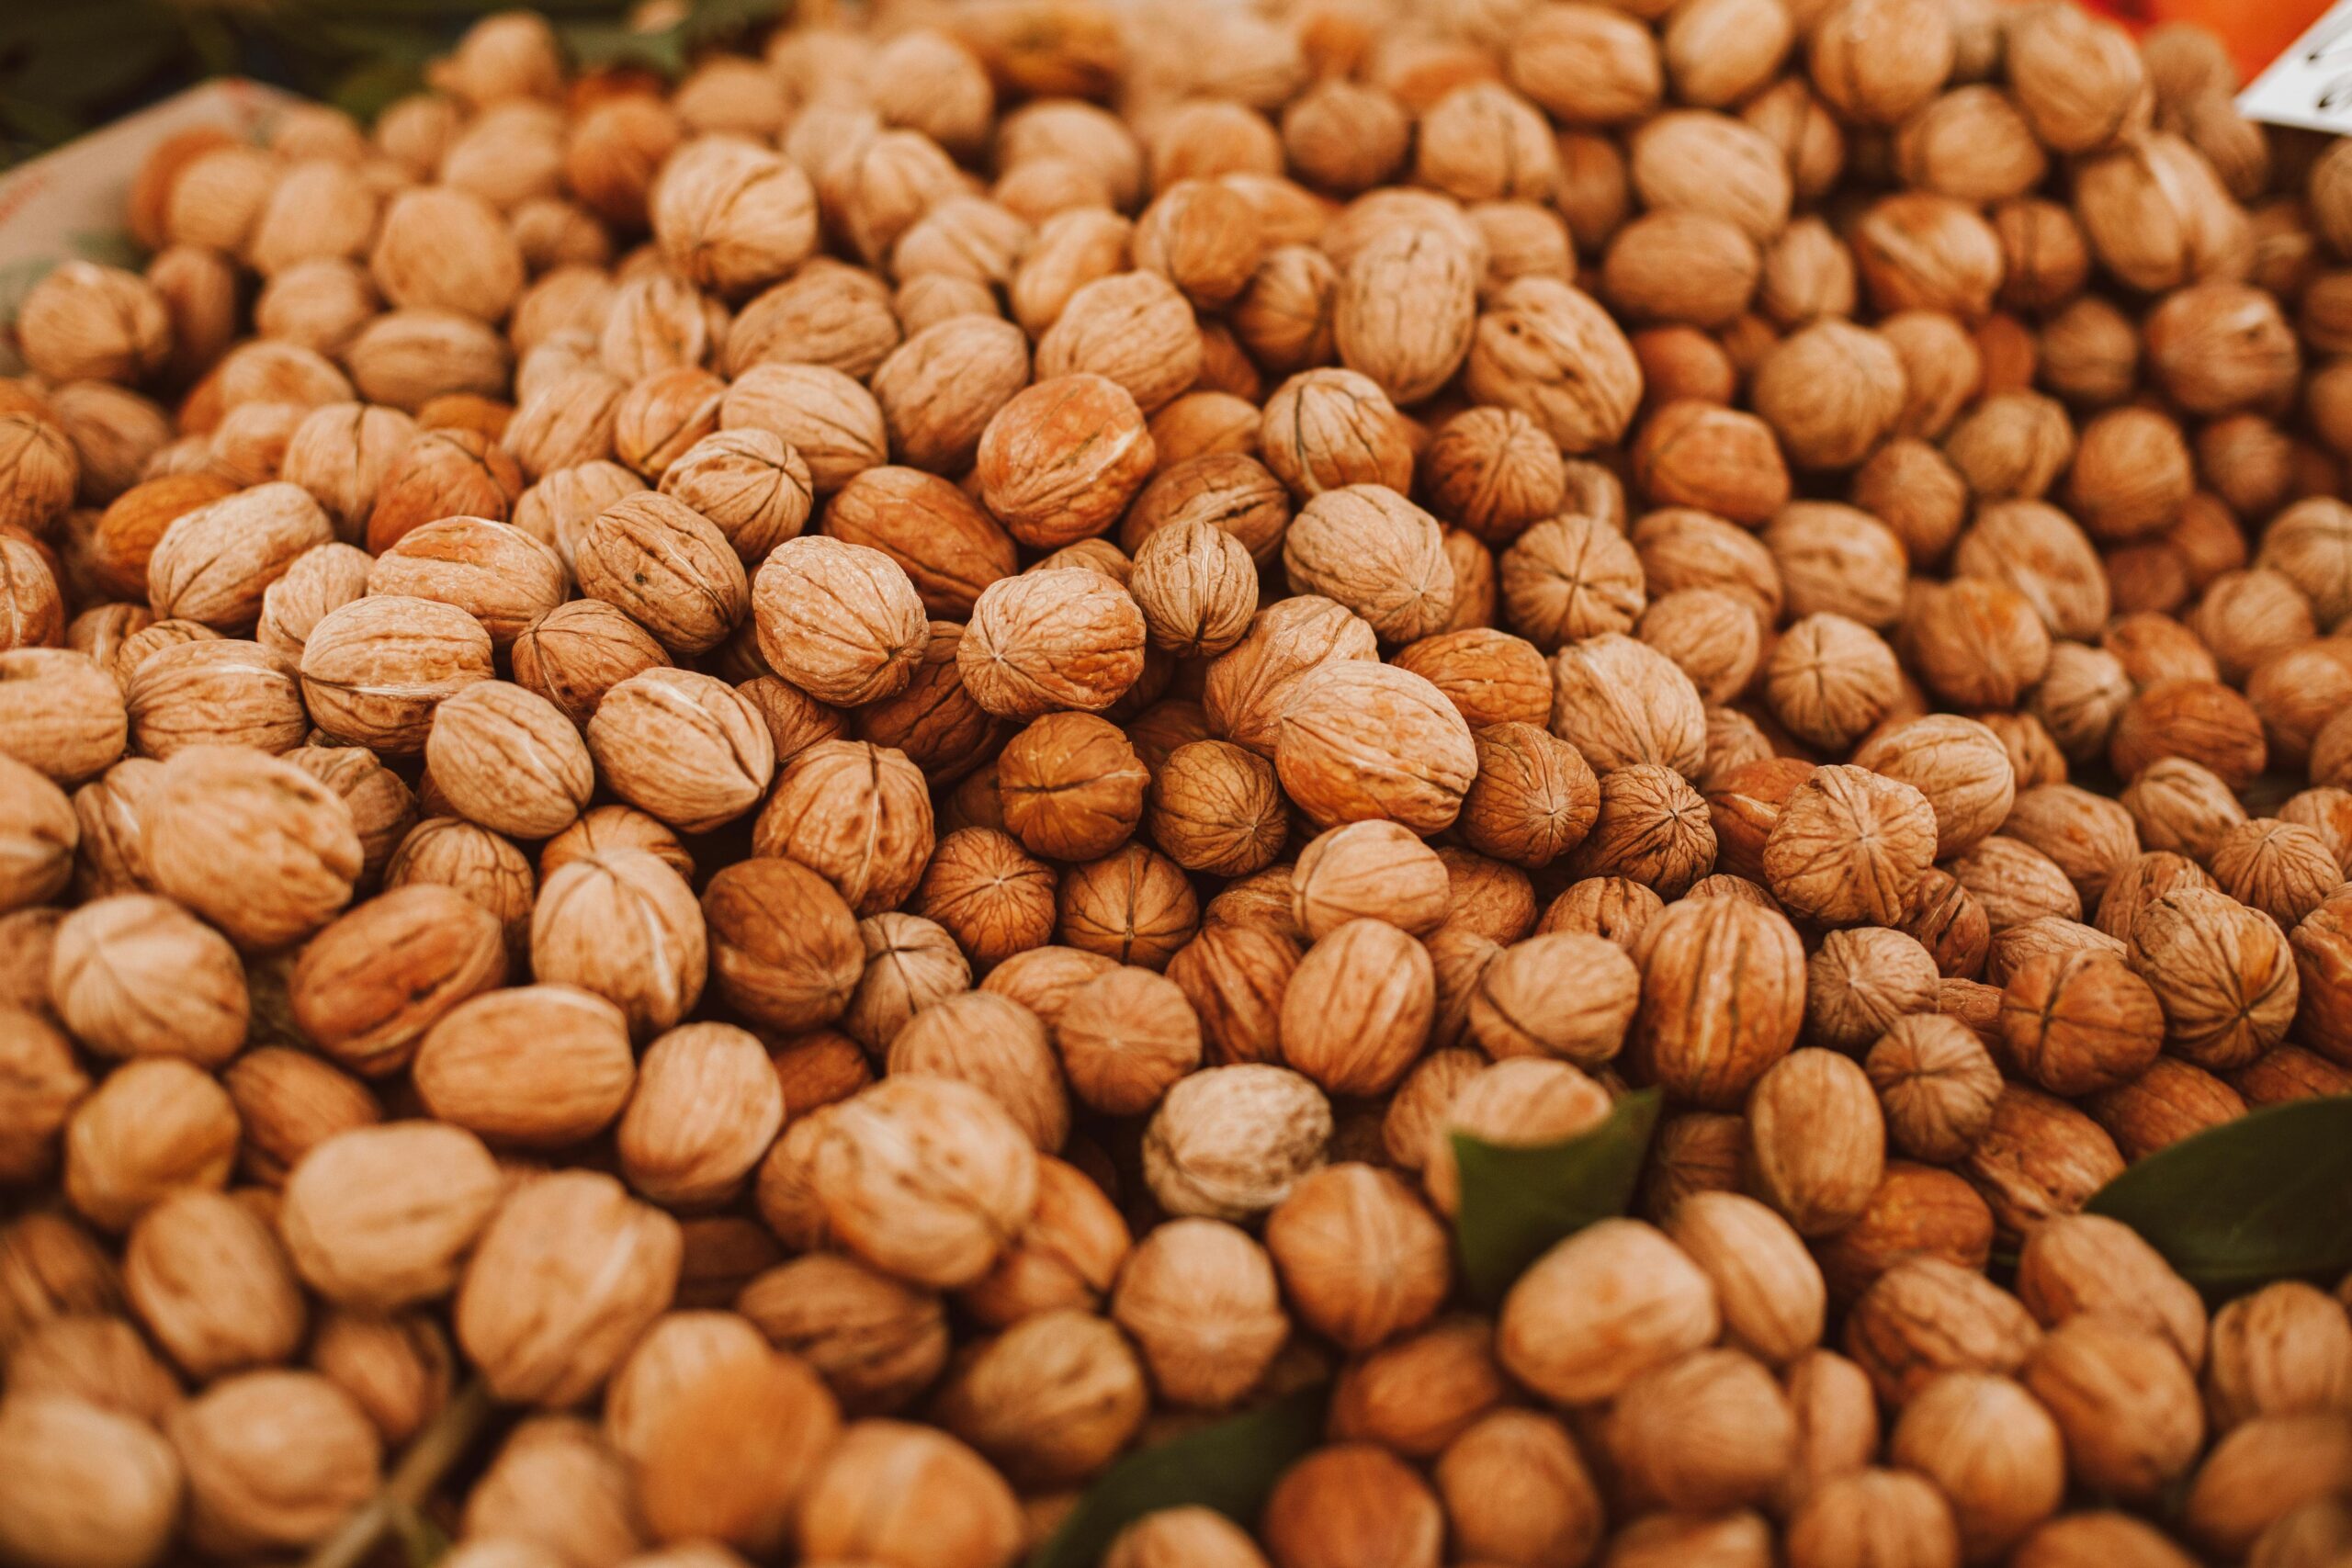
{"points": [[374, 670], [686, 748], [225, 823], [569, 1273], [1533, 800], [624, 925], [857, 814], [785, 949], [1131, 328], [379, 1217], [1723, 994], [1250, 687], [1407, 303], [213, 564], [1368, 548], [949, 548], [1060, 461], [274, 1460], [1549, 352], [1364, 739], [578, 651], [926, 1178], [1057, 637], [366, 989], [1358, 1008], [1070, 786], [1849, 847], [2224, 973], [494, 571], [667, 567], [509, 759]]}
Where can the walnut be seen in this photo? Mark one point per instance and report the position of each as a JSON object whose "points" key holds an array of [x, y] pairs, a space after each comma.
{"points": [[1534, 798], [374, 670], [1849, 847], [1678, 268], [685, 747], [1072, 786], [1231, 1142], [1066, 638], [1722, 987], [1133, 328], [667, 567], [2222, 973], [831, 421], [576, 652], [1549, 352], [1937, 1085], [1360, 739], [989, 894], [1216, 807], [732, 216], [1620, 703], [2196, 721], [493, 571], [1133, 905], [1710, 636], [858, 815], [1407, 304], [1197, 588], [1323, 429], [1370, 551], [1977, 642], [1651, 828], [805, 588], [662, 414], [1570, 578], [1357, 1008]]}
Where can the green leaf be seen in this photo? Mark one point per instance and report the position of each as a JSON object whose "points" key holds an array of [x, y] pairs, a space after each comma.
{"points": [[423, 1543], [1230, 1467], [372, 89], [595, 44], [1518, 1201], [718, 18], [2265, 1197]]}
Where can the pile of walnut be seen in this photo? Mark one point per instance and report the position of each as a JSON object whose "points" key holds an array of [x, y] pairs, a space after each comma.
{"points": [[843, 773]]}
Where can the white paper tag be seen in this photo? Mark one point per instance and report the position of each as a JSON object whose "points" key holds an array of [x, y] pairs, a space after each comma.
{"points": [[2310, 84]]}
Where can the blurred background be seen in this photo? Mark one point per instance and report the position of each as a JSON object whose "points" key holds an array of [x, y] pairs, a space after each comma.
{"points": [[69, 65]]}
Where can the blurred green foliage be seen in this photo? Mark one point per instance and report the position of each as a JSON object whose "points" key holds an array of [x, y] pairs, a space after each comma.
{"points": [[68, 65]]}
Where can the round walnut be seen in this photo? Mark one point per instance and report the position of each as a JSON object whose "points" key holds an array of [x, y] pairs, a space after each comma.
{"points": [[1061, 637], [686, 748], [857, 814], [2222, 974], [1723, 997], [509, 759], [1360, 739], [1060, 461], [1358, 1007], [1850, 847], [1369, 549], [1214, 808], [374, 670], [1070, 786]]}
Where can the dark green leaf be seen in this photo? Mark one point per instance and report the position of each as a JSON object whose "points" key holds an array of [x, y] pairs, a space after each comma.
{"points": [[595, 44], [368, 91], [2265, 1197], [718, 18], [1229, 1467], [423, 1543], [1517, 1202]]}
